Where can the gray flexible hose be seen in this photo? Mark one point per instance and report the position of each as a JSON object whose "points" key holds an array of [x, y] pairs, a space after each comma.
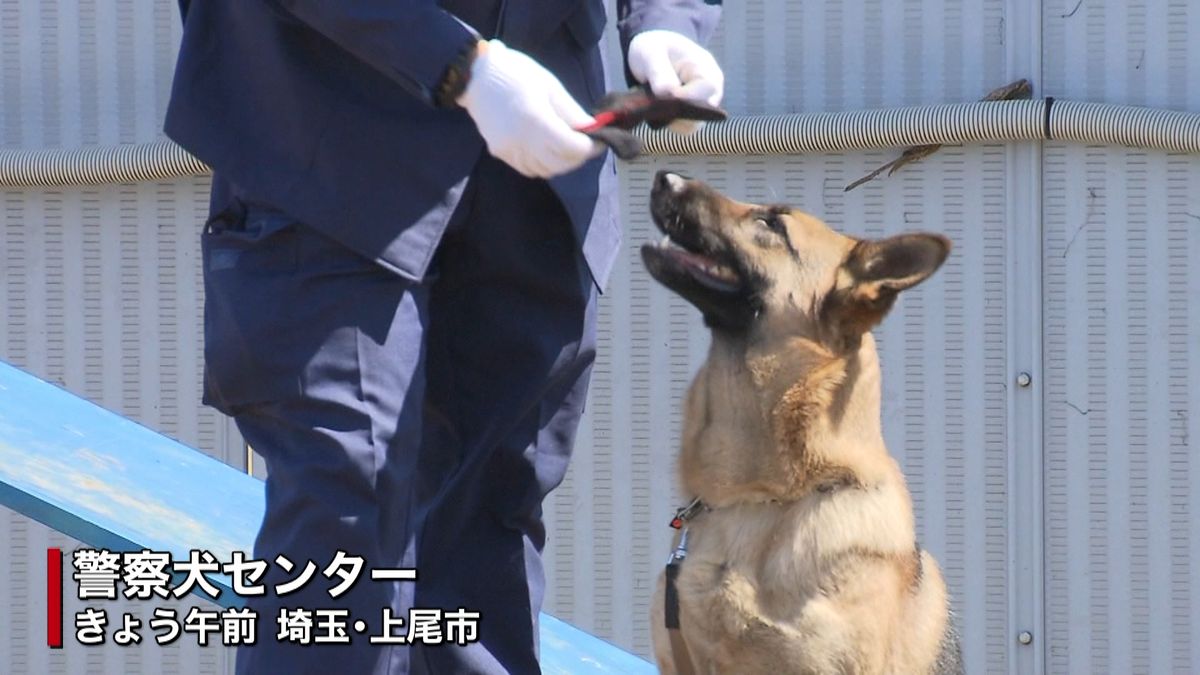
{"points": [[1125, 125], [857, 130], [133, 163], [996, 121]]}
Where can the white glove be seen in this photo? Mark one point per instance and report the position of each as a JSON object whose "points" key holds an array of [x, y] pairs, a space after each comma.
{"points": [[675, 66], [525, 114]]}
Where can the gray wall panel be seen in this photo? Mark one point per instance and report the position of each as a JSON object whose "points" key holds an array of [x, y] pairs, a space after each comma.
{"points": [[100, 288], [1120, 351], [814, 55], [1119, 409], [100, 291]]}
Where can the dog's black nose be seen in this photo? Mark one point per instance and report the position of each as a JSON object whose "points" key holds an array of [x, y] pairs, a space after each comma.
{"points": [[669, 181]]}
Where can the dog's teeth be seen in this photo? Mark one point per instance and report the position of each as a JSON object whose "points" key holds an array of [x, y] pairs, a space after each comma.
{"points": [[666, 241], [720, 272]]}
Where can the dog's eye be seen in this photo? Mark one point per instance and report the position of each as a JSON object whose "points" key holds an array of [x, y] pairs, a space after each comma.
{"points": [[771, 222]]}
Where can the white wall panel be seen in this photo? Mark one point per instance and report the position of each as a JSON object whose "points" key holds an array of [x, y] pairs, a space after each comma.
{"points": [[815, 55], [100, 288], [1120, 348], [100, 291], [1121, 391]]}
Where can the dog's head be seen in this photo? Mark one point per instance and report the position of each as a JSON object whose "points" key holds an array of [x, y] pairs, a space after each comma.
{"points": [[745, 266]]}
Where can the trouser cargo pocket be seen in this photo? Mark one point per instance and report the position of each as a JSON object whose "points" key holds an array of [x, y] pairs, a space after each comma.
{"points": [[250, 353]]}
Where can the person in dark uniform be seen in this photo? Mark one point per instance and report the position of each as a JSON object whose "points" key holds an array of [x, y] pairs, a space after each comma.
{"points": [[401, 268]]}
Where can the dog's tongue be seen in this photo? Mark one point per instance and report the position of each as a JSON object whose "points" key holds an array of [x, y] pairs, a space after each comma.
{"points": [[705, 264], [693, 258]]}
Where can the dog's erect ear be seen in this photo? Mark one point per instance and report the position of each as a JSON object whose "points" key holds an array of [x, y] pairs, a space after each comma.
{"points": [[875, 272], [895, 263]]}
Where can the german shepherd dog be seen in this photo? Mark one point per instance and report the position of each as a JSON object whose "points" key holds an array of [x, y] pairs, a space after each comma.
{"points": [[802, 559]]}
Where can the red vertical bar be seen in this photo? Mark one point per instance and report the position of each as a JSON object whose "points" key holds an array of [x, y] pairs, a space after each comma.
{"points": [[54, 599]]}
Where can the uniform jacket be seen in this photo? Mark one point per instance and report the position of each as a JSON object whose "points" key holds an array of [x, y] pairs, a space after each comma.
{"points": [[322, 108]]}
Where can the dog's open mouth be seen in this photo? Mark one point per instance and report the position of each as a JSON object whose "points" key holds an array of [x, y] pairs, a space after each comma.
{"points": [[671, 255], [694, 259]]}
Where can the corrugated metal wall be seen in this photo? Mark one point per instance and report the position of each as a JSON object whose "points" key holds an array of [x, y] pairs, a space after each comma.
{"points": [[1121, 234], [100, 288], [100, 293], [1066, 508]]}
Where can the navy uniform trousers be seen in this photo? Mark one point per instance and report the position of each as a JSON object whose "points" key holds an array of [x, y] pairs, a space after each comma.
{"points": [[429, 419]]}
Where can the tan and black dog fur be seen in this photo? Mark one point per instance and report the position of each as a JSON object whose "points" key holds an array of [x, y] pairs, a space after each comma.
{"points": [[804, 561]]}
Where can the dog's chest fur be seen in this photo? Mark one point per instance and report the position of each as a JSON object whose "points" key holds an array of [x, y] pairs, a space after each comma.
{"points": [[780, 587], [807, 562]]}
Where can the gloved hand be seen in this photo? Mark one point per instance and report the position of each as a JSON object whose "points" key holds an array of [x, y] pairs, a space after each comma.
{"points": [[673, 65], [525, 114]]}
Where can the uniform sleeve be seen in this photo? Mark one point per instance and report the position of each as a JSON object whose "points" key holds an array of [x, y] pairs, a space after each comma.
{"points": [[410, 41], [694, 19]]}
